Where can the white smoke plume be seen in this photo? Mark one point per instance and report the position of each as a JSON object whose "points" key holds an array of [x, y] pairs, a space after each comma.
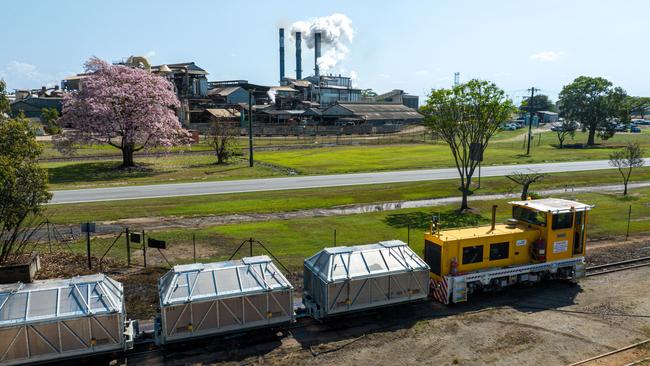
{"points": [[336, 32]]}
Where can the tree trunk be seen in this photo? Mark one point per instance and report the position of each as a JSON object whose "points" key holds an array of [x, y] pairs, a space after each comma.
{"points": [[127, 157], [524, 192], [625, 188], [592, 134]]}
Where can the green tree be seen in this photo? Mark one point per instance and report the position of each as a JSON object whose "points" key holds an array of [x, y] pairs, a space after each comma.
{"points": [[23, 186], [626, 159], [638, 106], [540, 103], [221, 137], [593, 101], [466, 117], [49, 118], [368, 93], [565, 129], [5, 106]]}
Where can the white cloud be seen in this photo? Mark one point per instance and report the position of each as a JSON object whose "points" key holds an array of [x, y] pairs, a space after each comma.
{"points": [[422, 72], [546, 56], [384, 76], [150, 54], [23, 70]]}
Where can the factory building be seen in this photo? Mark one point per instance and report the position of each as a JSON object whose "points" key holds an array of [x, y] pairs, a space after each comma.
{"points": [[318, 99], [374, 114], [32, 102], [398, 96]]}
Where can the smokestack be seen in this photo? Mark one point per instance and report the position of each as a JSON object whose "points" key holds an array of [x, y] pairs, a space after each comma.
{"points": [[298, 57], [316, 53], [494, 217], [281, 55]]}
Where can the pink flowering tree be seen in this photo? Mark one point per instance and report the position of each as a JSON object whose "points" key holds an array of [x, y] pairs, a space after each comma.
{"points": [[128, 108]]}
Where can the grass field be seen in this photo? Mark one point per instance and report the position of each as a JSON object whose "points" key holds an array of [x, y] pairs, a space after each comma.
{"points": [[294, 240], [151, 170], [279, 201], [507, 149], [396, 157]]}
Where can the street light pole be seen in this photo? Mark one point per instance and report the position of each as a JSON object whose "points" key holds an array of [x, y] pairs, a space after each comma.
{"points": [[250, 127]]}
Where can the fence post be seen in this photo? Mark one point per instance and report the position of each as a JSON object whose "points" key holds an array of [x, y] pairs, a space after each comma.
{"points": [[144, 250], [629, 217], [408, 235], [128, 247], [194, 246], [334, 237]]}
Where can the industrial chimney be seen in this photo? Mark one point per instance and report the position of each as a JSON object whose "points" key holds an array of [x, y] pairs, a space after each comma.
{"points": [[298, 57], [316, 53], [281, 55]]}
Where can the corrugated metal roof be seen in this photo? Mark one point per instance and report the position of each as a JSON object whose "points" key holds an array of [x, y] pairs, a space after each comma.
{"points": [[224, 91], [378, 111], [223, 112], [284, 89], [59, 299], [342, 263], [207, 281], [555, 205]]}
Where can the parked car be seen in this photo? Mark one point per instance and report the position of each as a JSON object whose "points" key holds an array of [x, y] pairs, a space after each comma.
{"points": [[635, 129], [509, 127]]}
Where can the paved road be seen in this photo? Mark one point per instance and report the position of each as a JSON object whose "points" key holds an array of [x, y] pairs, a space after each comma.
{"points": [[300, 182]]}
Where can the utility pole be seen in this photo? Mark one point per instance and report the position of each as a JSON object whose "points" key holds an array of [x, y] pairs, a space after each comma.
{"points": [[530, 117], [250, 127]]}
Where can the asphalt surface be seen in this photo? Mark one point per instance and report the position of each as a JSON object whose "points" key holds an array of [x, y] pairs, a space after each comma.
{"points": [[302, 182]]}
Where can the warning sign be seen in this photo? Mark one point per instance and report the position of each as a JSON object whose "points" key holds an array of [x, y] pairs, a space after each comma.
{"points": [[521, 242], [560, 246]]}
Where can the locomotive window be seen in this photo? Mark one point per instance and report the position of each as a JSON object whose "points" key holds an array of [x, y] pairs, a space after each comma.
{"points": [[473, 254], [432, 256], [529, 216], [562, 221], [499, 251]]}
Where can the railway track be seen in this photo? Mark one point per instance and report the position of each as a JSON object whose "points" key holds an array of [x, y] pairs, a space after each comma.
{"points": [[618, 266], [610, 357]]}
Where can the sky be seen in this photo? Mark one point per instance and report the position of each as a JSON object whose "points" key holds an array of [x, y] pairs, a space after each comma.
{"points": [[409, 45]]}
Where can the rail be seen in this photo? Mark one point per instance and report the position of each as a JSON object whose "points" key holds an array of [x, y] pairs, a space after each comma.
{"points": [[618, 266]]}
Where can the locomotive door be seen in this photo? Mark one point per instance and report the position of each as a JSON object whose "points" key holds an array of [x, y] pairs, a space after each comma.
{"points": [[579, 232]]}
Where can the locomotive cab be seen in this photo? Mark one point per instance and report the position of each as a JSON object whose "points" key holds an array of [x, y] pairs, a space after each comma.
{"points": [[544, 238], [561, 225]]}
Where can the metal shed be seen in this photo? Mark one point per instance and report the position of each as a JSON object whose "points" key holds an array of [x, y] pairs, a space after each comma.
{"points": [[343, 279], [215, 298], [58, 319]]}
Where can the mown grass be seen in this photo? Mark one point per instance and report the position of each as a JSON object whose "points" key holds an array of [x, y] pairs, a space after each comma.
{"points": [[151, 170], [290, 200], [293, 240], [190, 168], [396, 157]]}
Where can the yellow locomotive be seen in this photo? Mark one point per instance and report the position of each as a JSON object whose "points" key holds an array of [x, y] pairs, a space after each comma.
{"points": [[545, 238]]}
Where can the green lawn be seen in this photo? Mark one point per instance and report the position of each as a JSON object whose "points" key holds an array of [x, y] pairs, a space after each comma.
{"points": [[190, 168], [293, 240], [151, 170], [281, 201], [420, 156]]}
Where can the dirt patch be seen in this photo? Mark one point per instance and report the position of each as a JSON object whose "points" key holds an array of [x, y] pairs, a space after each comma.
{"points": [[141, 292]]}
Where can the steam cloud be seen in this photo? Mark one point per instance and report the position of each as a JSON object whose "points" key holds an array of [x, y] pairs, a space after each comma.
{"points": [[336, 32]]}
